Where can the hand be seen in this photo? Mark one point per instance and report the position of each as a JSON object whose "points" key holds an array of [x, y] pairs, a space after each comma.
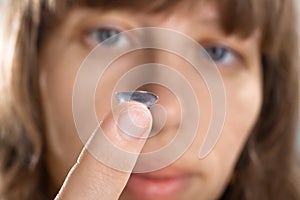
{"points": [[89, 178]]}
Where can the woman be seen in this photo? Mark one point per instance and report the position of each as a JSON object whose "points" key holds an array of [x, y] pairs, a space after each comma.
{"points": [[253, 43]]}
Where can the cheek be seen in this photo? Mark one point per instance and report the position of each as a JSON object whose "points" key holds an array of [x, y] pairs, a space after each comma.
{"points": [[58, 71], [244, 98]]}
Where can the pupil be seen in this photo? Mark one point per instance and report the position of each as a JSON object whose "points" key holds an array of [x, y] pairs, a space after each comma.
{"points": [[106, 34], [216, 53]]}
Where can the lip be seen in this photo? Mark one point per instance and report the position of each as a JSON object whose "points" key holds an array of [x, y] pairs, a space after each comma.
{"points": [[161, 185]]}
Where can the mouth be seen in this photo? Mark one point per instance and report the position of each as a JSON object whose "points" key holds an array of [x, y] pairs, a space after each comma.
{"points": [[163, 185]]}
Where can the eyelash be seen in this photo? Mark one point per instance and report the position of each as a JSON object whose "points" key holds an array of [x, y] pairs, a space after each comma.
{"points": [[219, 54]]}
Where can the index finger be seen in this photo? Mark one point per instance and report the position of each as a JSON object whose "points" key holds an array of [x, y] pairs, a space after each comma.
{"points": [[91, 179]]}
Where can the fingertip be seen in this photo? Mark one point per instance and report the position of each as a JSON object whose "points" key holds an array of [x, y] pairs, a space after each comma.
{"points": [[134, 119]]}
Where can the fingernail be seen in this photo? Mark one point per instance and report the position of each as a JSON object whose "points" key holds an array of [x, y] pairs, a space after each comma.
{"points": [[135, 120]]}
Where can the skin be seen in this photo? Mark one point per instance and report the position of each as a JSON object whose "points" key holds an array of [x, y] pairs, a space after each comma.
{"points": [[66, 46]]}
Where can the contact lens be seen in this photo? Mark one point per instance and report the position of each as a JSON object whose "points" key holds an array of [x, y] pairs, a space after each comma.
{"points": [[147, 98]]}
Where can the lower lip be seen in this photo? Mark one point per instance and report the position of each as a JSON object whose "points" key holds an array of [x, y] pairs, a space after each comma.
{"points": [[147, 187]]}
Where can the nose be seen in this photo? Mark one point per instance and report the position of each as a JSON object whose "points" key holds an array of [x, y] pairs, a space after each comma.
{"points": [[166, 113]]}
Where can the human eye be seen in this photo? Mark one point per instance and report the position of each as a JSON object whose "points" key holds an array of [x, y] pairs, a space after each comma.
{"points": [[109, 37], [221, 55]]}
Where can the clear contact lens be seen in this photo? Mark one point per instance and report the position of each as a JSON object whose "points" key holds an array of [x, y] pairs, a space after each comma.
{"points": [[147, 98]]}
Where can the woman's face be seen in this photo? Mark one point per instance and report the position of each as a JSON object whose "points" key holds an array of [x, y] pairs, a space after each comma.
{"points": [[238, 59]]}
